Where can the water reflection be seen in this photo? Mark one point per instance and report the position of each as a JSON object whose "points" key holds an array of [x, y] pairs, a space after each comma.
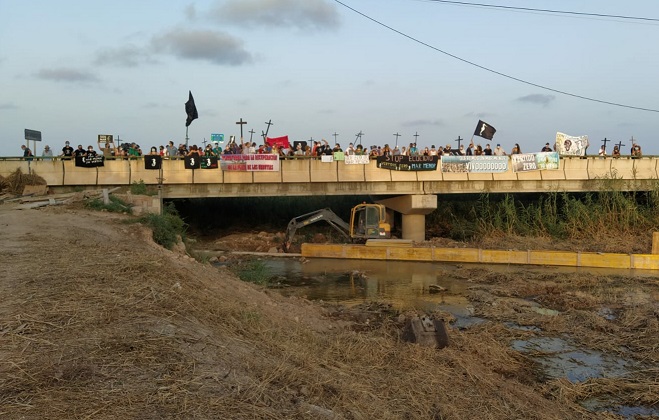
{"points": [[404, 285]]}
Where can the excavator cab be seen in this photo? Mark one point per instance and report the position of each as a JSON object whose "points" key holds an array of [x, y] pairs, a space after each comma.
{"points": [[369, 221]]}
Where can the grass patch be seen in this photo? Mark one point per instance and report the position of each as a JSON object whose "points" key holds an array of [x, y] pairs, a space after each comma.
{"points": [[253, 271], [116, 205]]}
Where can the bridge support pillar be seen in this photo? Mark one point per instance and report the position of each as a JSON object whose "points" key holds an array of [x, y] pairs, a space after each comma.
{"points": [[414, 209]]}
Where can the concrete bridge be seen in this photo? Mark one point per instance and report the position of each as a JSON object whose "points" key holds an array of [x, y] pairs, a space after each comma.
{"points": [[414, 194]]}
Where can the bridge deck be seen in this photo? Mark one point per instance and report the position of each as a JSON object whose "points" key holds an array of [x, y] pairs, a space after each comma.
{"points": [[301, 177]]}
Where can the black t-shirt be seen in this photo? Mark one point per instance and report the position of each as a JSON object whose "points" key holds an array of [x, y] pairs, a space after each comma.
{"points": [[67, 151]]}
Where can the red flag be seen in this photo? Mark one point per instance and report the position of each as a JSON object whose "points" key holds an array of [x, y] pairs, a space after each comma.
{"points": [[279, 141]]}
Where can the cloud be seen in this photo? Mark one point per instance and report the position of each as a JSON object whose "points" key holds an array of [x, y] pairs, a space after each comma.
{"points": [[127, 56], [216, 47], [301, 14], [416, 123], [479, 115], [537, 98], [8, 105], [63, 74]]}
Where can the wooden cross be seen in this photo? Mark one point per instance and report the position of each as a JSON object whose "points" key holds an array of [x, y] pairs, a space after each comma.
{"points": [[605, 141], [620, 146], [335, 136], [311, 140], [268, 129], [397, 135], [263, 135], [359, 137], [241, 123], [459, 140], [416, 136], [204, 142]]}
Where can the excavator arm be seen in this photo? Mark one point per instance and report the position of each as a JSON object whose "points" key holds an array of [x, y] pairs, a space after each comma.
{"points": [[315, 216]]}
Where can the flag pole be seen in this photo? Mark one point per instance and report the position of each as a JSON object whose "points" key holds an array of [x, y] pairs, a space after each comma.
{"points": [[186, 137]]}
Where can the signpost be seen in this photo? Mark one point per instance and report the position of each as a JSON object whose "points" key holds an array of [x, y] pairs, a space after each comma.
{"points": [[35, 136]]}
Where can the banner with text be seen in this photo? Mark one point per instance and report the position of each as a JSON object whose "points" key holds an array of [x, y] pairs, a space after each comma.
{"points": [[408, 163], [90, 161], [250, 163], [542, 161], [571, 145], [475, 164], [356, 160]]}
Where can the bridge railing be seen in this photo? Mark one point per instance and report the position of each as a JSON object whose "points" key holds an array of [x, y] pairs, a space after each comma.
{"points": [[59, 172]]}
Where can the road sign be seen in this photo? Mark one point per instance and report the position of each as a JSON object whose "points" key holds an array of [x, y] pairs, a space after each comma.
{"points": [[32, 135], [217, 137]]}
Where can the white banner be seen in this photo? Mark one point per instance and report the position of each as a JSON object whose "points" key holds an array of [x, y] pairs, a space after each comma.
{"points": [[571, 145], [356, 159]]}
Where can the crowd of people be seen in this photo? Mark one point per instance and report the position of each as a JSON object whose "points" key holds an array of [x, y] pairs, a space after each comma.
{"points": [[297, 149]]}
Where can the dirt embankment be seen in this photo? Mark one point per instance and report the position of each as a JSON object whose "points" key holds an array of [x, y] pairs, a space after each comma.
{"points": [[96, 321]]}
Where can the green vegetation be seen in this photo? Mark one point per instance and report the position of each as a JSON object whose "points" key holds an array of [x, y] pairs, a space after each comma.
{"points": [[253, 271], [167, 227], [116, 205], [562, 216], [140, 188]]}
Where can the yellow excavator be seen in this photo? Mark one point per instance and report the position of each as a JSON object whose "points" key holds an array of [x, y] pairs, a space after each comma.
{"points": [[367, 221]]}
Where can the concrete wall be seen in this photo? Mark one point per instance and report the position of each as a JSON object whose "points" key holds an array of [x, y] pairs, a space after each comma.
{"points": [[313, 177]]}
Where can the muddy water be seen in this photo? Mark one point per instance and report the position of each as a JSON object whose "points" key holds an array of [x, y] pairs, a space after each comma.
{"points": [[432, 286], [402, 284]]}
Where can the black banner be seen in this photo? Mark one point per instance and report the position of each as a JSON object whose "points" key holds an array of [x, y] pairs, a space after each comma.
{"points": [[192, 162], [152, 162], [408, 163], [90, 161], [209, 162]]}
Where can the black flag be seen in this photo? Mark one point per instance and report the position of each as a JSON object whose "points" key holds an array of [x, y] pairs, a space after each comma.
{"points": [[191, 110], [484, 130]]}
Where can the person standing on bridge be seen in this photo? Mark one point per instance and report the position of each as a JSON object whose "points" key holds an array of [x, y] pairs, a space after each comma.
{"points": [[47, 153], [27, 153]]}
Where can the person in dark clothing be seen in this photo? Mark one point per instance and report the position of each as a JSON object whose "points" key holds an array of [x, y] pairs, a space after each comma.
{"points": [[67, 151]]}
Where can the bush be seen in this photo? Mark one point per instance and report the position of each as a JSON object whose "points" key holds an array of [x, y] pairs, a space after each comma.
{"points": [[166, 227], [139, 188]]}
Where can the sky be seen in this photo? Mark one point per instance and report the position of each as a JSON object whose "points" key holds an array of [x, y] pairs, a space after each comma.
{"points": [[75, 69]]}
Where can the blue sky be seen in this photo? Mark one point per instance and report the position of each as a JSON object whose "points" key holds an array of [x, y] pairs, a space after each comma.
{"points": [[76, 69]]}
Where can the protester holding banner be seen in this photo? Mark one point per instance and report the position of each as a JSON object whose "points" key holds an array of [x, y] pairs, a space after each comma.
{"points": [[488, 150], [79, 151], [547, 148], [90, 151], [516, 150], [194, 151]]}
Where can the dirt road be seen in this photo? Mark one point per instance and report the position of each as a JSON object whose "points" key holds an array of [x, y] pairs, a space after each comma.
{"points": [[96, 321]]}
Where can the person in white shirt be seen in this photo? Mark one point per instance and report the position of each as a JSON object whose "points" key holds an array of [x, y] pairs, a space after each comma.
{"points": [[498, 151]]}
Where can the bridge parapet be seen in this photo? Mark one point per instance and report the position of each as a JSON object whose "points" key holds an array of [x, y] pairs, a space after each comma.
{"points": [[313, 177]]}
